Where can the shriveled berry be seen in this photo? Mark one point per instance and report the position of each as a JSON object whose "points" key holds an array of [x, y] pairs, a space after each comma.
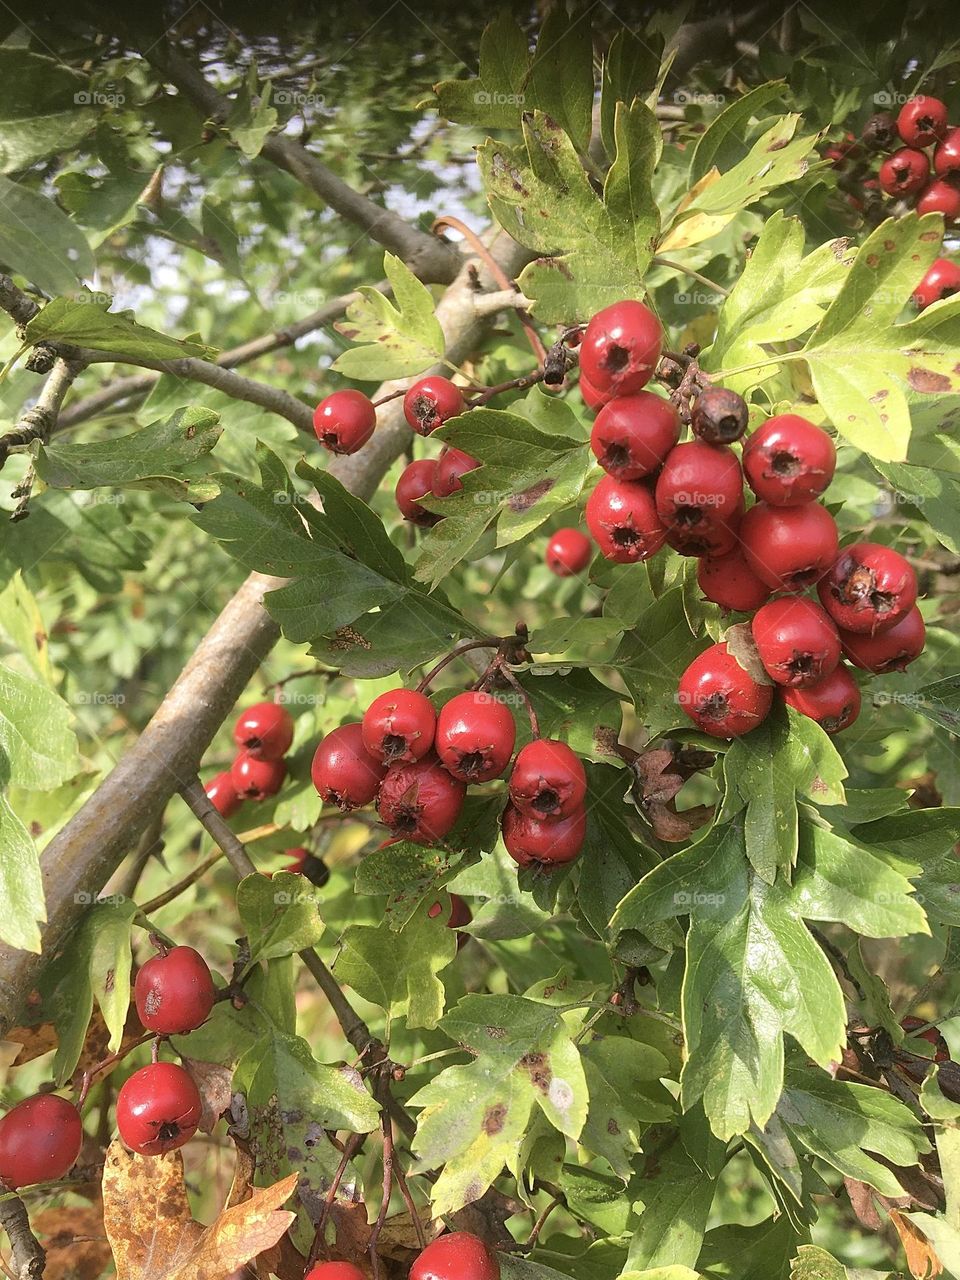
{"points": [[475, 736], [620, 348], [416, 481], [904, 173], [788, 460], [890, 650], [399, 725], [222, 794], [942, 280], [307, 864], [531, 840], [789, 548], [345, 421], [922, 120], [834, 701], [622, 517], [264, 731], [720, 697], [569, 551], [343, 770], [174, 992], [633, 434], [796, 641], [452, 466], [880, 132], [869, 588], [40, 1139], [431, 402], [421, 801], [933, 1035], [158, 1109], [719, 415], [548, 779], [257, 779], [730, 582]]}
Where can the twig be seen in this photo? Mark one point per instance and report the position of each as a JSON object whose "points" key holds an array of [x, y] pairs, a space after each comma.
{"points": [[540, 1223], [351, 1147], [515, 684], [838, 958], [458, 652], [387, 1129], [695, 275], [28, 1258], [37, 422], [515, 384], [175, 890]]}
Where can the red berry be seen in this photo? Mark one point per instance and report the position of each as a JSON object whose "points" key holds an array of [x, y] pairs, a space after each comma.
{"points": [[334, 1271], [568, 552], [941, 281], [456, 1256], [548, 779], [222, 794], [416, 481], [941, 197], [40, 1139], [475, 736], [621, 348], [345, 421], [709, 537], [622, 517], [932, 1035], [174, 992], [460, 916], [789, 548], [869, 588], [399, 725], [158, 1109], [530, 840], [946, 158], [720, 697], [834, 701], [904, 173], [591, 397], [264, 731], [431, 402], [257, 779], [719, 416], [788, 461], [343, 770], [796, 640], [700, 490], [298, 859], [922, 121], [421, 801], [730, 582], [890, 650], [452, 465], [633, 434]]}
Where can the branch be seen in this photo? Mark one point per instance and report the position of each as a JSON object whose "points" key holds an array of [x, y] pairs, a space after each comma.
{"points": [[37, 422], [28, 1259]]}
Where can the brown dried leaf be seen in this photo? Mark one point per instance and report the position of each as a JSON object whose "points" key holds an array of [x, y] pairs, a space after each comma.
{"points": [[861, 1200], [921, 1258], [214, 1082], [77, 1247], [742, 646]]}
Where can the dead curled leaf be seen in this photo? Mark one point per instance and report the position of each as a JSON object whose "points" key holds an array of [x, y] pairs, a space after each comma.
{"points": [[74, 1240], [922, 1260]]}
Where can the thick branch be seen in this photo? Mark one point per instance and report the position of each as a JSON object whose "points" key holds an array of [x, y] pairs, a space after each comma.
{"points": [[37, 422], [28, 1258]]}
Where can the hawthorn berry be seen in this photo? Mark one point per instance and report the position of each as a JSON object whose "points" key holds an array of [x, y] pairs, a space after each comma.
{"points": [[620, 348], [257, 779], [222, 794], [399, 725], [158, 1109], [904, 173], [548, 779], [475, 736], [729, 581], [345, 421], [452, 465], [591, 397], [946, 158], [719, 415], [789, 548], [942, 280], [911, 1024], [174, 992], [622, 517], [416, 481], [632, 435], [40, 1139], [890, 650], [922, 121], [460, 913], [796, 641], [880, 132], [941, 196], [834, 701], [430, 402], [700, 486], [420, 802], [531, 840], [568, 552], [334, 1271], [720, 697], [788, 461], [868, 589], [457, 1255], [343, 770], [264, 731], [711, 537]]}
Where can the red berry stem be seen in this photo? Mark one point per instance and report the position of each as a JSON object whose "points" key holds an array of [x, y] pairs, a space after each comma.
{"points": [[390, 396], [88, 1079], [501, 666], [458, 652], [515, 384]]}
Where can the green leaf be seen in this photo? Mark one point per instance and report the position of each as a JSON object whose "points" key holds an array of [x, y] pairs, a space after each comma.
{"points": [[814, 1263], [405, 874], [625, 1096], [22, 903], [652, 659], [940, 703], [44, 108], [252, 119], [943, 1236], [40, 242], [774, 159], [109, 926], [676, 1203], [631, 69], [398, 341], [495, 98], [560, 80], [920, 835], [722, 144], [38, 748], [279, 915], [937, 493], [762, 1252], [86, 322]]}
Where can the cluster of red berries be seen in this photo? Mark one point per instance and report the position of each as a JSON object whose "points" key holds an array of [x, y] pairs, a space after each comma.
{"points": [[925, 169], [263, 733], [456, 1255], [416, 765]]}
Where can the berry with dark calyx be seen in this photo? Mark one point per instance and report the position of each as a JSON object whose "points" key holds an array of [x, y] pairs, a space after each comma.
{"points": [[904, 173], [942, 280], [399, 725], [789, 548], [720, 697], [912, 1024], [532, 841], [431, 402], [457, 1255], [222, 794], [257, 779], [946, 158], [40, 1140], [158, 1109], [788, 460], [569, 551], [922, 121], [729, 581], [452, 465], [334, 1271], [475, 736], [710, 537], [591, 397], [621, 348], [633, 434], [264, 731], [796, 641], [345, 421], [343, 770], [701, 485], [880, 132], [548, 779], [719, 415], [622, 518], [834, 701], [890, 650], [943, 197], [869, 588], [416, 481], [174, 992], [420, 802]]}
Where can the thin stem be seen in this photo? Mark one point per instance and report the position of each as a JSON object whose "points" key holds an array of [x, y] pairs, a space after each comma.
{"points": [[515, 384], [90, 1075], [695, 275], [175, 890], [515, 684], [351, 1147], [760, 364], [466, 647], [387, 1128], [391, 395], [538, 1226]]}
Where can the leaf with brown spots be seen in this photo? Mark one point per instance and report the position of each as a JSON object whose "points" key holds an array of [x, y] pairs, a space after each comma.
{"points": [[75, 1241]]}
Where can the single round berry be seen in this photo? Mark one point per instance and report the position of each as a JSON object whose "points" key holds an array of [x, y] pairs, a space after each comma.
{"points": [[475, 736], [430, 402], [456, 1256], [911, 1024], [730, 582], [264, 731], [345, 421], [399, 726], [452, 466], [868, 589], [789, 548], [946, 158], [40, 1139], [633, 434], [922, 121], [532, 841], [591, 397], [257, 779], [174, 992], [158, 1109], [720, 697], [796, 641], [621, 348], [708, 537], [568, 553], [943, 197], [343, 770], [416, 481], [904, 173], [421, 801], [700, 486], [788, 460], [880, 132], [222, 794], [622, 517], [890, 650], [548, 779], [719, 416], [941, 281], [334, 1271], [834, 701]]}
